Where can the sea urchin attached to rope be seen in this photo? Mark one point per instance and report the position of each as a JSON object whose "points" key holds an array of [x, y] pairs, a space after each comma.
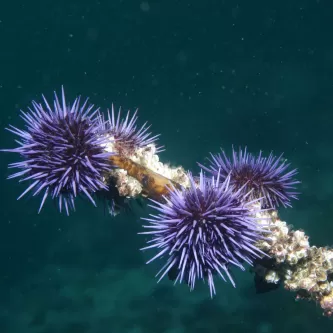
{"points": [[266, 177], [203, 230], [61, 150], [126, 133]]}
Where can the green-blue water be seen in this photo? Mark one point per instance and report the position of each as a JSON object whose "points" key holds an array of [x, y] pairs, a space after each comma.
{"points": [[205, 74]]}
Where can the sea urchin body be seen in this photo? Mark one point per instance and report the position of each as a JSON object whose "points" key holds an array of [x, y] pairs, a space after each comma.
{"points": [[62, 151], [203, 230], [126, 133], [266, 177]]}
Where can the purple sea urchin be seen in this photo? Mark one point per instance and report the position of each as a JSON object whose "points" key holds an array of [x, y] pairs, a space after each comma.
{"points": [[267, 177], [126, 133], [203, 230], [62, 151]]}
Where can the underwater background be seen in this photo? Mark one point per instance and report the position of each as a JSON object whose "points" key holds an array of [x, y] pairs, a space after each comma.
{"points": [[205, 74]]}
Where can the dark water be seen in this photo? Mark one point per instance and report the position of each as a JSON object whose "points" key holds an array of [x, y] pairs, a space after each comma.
{"points": [[205, 74]]}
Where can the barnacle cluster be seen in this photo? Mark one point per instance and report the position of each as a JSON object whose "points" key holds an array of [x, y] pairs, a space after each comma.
{"points": [[136, 171], [135, 155], [305, 269]]}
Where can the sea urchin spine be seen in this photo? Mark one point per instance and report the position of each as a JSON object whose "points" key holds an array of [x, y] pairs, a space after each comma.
{"points": [[62, 151], [266, 177], [203, 230], [126, 134]]}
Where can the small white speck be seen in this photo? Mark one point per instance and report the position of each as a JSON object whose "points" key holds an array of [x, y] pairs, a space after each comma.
{"points": [[144, 6]]}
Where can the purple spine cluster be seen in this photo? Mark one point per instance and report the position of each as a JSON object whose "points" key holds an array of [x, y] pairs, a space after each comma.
{"points": [[61, 151], [268, 178], [203, 230]]}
